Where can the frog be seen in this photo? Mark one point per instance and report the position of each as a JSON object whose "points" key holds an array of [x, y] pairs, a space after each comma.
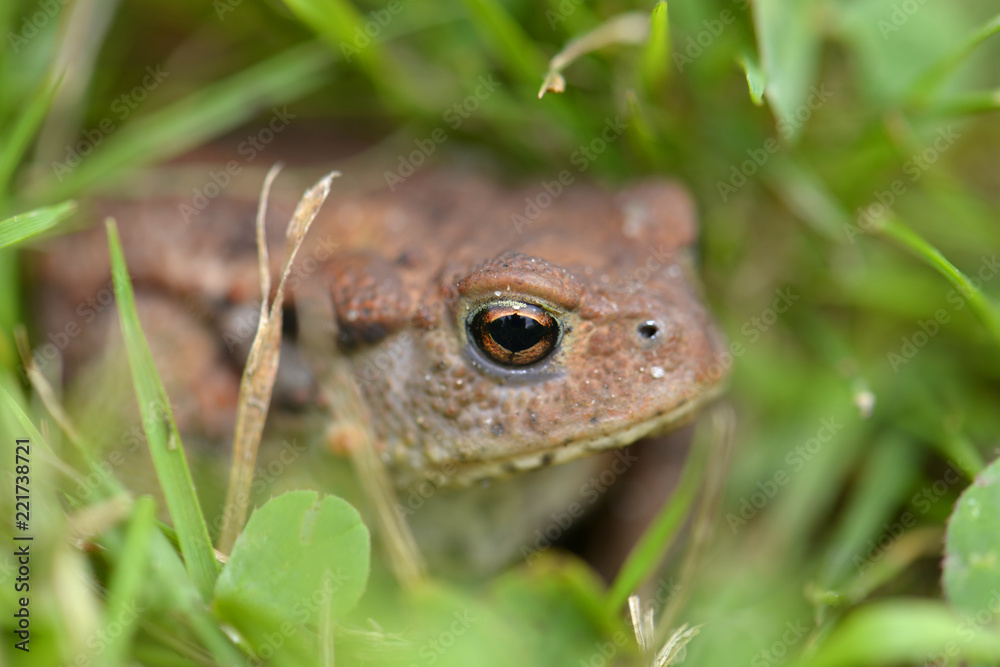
{"points": [[509, 343], [492, 331]]}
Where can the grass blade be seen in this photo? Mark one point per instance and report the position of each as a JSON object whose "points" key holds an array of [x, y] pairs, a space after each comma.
{"points": [[627, 28], [169, 572], [658, 536], [184, 598], [14, 409], [646, 554], [657, 53], [789, 46], [337, 21], [718, 438], [986, 309], [939, 73], [261, 369], [905, 631], [805, 194], [641, 134], [22, 227], [127, 581], [22, 417], [508, 40], [888, 473], [756, 81], [964, 104], [108, 485], [19, 138], [201, 116], [161, 432]]}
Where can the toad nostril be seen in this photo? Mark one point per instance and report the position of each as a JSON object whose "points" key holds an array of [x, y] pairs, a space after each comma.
{"points": [[648, 330]]}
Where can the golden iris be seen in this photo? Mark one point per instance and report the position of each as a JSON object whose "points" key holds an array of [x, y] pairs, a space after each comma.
{"points": [[512, 333]]}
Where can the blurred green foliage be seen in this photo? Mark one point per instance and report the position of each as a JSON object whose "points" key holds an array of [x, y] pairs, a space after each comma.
{"points": [[842, 154]]}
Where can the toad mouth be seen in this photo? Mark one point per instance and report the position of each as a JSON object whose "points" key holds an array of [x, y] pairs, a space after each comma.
{"points": [[480, 471]]}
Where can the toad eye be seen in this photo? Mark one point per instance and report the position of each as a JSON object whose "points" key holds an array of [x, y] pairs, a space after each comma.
{"points": [[513, 333]]}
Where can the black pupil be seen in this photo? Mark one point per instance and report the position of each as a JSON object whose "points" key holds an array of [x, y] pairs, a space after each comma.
{"points": [[516, 332], [648, 330]]}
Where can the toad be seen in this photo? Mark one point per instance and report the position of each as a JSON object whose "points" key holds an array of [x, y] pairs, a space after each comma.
{"points": [[490, 331], [494, 331]]}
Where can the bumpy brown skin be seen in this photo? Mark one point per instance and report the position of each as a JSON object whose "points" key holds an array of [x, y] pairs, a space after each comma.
{"points": [[422, 259], [396, 275]]}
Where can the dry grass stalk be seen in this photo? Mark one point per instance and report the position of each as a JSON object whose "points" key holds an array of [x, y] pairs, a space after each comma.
{"points": [[262, 364]]}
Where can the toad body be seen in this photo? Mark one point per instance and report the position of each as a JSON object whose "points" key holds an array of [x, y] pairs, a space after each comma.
{"points": [[489, 331]]}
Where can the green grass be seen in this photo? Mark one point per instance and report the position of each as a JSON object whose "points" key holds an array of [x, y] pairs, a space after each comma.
{"points": [[21, 228], [161, 432], [840, 152]]}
